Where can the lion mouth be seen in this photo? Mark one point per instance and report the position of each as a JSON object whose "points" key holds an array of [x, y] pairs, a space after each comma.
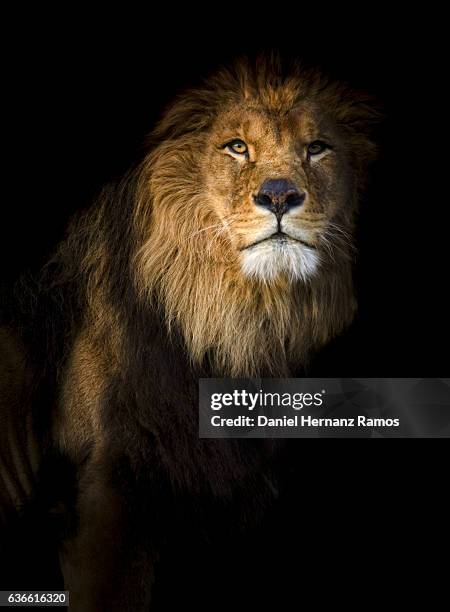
{"points": [[279, 237]]}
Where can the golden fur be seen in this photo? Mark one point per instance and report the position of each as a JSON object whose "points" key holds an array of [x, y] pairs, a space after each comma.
{"points": [[195, 212]]}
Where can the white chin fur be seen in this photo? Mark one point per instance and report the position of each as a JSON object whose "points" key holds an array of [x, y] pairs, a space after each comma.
{"points": [[267, 260]]}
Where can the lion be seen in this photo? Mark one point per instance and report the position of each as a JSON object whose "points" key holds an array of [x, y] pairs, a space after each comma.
{"points": [[225, 252]]}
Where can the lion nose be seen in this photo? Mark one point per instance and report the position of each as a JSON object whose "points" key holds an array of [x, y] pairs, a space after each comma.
{"points": [[279, 196]]}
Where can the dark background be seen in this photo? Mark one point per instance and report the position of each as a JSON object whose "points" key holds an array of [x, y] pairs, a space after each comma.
{"points": [[81, 96]]}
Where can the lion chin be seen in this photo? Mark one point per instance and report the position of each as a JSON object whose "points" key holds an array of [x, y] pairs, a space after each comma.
{"points": [[282, 256]]}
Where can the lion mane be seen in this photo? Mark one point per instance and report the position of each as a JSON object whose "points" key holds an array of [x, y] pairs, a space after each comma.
{"points": [[144, 296], [233, 325]]}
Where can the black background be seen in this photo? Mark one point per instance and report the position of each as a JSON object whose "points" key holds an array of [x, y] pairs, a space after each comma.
{"points": [[81, 95]]}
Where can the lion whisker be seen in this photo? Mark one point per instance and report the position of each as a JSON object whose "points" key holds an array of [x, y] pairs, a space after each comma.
{"points": [[341, 230]]}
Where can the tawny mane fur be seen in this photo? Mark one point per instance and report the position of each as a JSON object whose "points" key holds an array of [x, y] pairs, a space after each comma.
{"points": [[184, 254]]}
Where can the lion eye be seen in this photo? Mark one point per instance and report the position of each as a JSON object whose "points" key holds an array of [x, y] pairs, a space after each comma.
{"points": [[316, 148], [237, 146]]}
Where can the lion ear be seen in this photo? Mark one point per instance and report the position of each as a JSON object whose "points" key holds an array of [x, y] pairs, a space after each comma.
{"points": [[363, 116], [187, 114]]}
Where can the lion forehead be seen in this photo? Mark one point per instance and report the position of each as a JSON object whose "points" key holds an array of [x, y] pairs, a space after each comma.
{"points": [[255, 121]]}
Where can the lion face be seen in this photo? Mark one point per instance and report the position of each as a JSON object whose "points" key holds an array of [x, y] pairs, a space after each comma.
{"points": [[246, 212], [277, 181]]}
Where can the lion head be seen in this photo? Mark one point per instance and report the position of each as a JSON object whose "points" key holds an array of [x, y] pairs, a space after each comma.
{"points": [[246, 212]]}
